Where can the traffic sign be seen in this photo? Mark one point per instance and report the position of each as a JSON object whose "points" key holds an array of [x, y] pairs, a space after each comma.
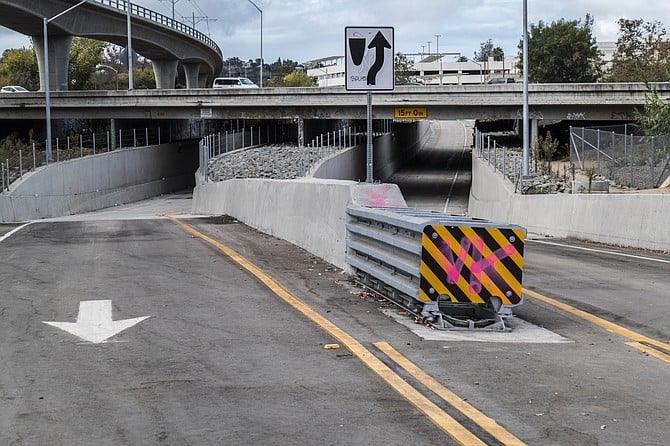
{"points": [[369, 63], [410, 113]]}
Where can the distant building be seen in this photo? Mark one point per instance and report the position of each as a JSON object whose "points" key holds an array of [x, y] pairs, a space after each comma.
{"points": [[428, 70]]}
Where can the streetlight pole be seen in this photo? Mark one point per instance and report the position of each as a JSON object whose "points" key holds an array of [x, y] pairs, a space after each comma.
{"points": [[47, 87], [526, 137], [116, 72], [261, 13], [437, 51], [131, 82]]}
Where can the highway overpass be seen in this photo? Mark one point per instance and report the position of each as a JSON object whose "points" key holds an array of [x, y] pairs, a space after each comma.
{"points": [[588, 102], [159, 38]]}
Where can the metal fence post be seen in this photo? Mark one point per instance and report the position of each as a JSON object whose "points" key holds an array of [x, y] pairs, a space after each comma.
{"points": [[93, 143], [20, 164], [134, 137], [146, 136], [34, 158]]}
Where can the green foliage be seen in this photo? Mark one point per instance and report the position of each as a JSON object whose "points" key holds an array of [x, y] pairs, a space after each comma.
{"points": [[564, 51], [545, 149], [486, 50], [404, 69], [85, 55], [642, 53], [279, 71], [299, 78], [19, 67], [654, 119]]}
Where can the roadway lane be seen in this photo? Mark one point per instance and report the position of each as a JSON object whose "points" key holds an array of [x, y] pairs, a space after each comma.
{"points": [[222, 360], [438, 178]]}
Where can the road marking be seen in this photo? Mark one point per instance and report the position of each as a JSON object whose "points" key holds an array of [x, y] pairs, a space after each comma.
{"points": [[650, 351], [94, 322], [487, 423], [443, 420], [607, 325], [600, 251], [12, 232]]}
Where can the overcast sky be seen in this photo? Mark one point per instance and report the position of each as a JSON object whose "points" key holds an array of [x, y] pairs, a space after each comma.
{"points": [[312, 29]]}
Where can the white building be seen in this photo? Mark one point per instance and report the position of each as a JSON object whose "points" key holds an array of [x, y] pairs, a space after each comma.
{"points": [[428, 70]]}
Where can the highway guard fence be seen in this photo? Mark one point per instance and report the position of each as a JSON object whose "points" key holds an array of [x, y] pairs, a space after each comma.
{"points": [[19, 162], [638, 162], [508, 161], [451, 271]]}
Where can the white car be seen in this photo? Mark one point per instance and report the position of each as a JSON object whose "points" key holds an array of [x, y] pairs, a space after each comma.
{"points": [[13, 89], [233, 82]]}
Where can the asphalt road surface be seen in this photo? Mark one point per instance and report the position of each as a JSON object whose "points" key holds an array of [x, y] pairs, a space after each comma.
{"points": [[225, 329]]}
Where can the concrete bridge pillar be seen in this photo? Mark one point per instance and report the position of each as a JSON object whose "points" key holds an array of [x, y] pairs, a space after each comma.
{"points": [[204, 81], [165, 72], [192, 74], [59, 61]]}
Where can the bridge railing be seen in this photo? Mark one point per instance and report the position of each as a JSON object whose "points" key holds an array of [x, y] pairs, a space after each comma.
{"points": [[508, 161], [20, 162], [156, 17]]}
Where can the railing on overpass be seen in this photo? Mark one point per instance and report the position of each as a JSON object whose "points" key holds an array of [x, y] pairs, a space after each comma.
{"points": [[161, 19]]}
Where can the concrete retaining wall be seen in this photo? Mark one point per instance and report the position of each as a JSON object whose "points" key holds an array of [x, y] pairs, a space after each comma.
{"points": [[310, 213], [100, 181], [391, 151], [634, 220]]}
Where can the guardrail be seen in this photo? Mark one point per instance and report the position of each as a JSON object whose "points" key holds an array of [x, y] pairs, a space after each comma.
{"points": [[156, 17], [451, 271]]}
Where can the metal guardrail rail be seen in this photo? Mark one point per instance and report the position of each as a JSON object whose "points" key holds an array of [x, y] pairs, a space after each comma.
{"points": [[451, 271], [161, 19]]}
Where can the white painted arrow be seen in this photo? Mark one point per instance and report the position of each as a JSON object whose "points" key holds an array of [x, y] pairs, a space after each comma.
{"points": [[94, 322]]}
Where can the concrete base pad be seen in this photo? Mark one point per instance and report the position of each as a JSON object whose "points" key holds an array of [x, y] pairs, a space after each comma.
{"points": [[521, 332]]}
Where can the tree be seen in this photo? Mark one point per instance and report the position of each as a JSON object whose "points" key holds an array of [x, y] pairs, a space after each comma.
{"points": [[404, 69], [642, 53], [654, 119], [19, 67], [564, 51], [487, 50], [299, 78], [85, 56], [279, 70]]}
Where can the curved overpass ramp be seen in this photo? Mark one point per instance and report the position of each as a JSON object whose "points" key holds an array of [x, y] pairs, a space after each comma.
{"points": [[166, 42]]}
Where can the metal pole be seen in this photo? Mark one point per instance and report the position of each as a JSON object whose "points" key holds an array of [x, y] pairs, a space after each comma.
{"points": [[526, 138], [368, 175], [261, 13], [47, 96], [131, 83]]}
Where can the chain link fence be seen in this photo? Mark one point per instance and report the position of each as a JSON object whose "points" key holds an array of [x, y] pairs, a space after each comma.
{"points": [[637, 162]]}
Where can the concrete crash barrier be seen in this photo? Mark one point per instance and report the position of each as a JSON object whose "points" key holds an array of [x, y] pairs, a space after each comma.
{"points": [[451, 271]]}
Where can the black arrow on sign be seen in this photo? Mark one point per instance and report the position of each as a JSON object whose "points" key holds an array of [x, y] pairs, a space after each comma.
{"points": [[379, 43]]}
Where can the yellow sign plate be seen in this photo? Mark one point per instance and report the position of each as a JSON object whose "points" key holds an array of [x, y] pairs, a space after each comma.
{"points": [[410, 113]]}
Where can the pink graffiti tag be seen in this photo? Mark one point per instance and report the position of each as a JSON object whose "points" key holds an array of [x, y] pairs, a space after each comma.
{"points": [[479, 265]]}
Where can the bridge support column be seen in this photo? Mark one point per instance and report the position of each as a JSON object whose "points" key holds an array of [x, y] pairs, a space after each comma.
{"points": [[59, 61], [165, 72], [192, 74], [204, 81], [301, 132]]}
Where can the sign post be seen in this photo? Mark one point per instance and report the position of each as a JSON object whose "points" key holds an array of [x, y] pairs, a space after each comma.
{"points": [[369, 66]]}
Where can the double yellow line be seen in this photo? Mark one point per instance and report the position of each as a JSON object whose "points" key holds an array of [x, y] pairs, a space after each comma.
{"points": [[436, 414], [638, 341]]}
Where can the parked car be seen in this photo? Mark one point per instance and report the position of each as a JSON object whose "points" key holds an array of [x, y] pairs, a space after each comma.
{"points": [[13, 89], [233, 82], [501, 80]]}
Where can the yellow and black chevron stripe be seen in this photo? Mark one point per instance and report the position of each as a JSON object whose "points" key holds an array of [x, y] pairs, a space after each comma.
{"points": [[472, 264]]}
